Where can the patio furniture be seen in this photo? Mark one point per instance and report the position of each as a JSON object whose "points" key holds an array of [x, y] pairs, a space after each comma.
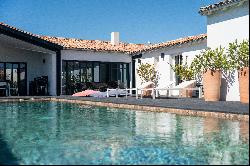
{"points": [[118, 92], [184, 86], [5, 86], [85, 93], [128, 91], [165, 88], [39, 86]]}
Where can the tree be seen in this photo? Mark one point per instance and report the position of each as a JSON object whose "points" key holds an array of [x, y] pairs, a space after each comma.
{"points": [[147, 73]]}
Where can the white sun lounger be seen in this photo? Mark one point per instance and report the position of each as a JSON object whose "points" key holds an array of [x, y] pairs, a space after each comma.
{"points": [[181, 86], [127, 91]]}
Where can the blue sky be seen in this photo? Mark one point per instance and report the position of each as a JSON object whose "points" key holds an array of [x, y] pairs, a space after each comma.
{"points": [[138, 21]]}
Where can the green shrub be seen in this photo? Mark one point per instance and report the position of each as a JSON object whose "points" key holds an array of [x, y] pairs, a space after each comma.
{"points": [[210, 59], [238, 54], [147, 73]]}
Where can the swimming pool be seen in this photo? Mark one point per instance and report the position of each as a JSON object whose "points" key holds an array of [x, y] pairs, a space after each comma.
{"points": [[66, 133]]}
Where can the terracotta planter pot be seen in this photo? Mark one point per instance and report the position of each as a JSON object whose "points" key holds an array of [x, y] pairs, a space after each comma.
{"points": [[148, 92], [187, 93], [212, 84], [244, 84]]}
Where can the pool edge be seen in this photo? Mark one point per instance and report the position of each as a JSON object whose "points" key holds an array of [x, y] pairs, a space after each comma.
{"points": [[178, 111]]}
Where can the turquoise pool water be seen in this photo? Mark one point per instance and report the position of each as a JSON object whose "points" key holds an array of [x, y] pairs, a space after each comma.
{"points": [[64, 133]]}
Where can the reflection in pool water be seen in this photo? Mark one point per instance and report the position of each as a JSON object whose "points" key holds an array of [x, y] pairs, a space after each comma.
{"points": [[64, 133]]}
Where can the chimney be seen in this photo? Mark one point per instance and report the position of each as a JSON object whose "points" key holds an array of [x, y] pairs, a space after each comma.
{"points": [[115, 38]]}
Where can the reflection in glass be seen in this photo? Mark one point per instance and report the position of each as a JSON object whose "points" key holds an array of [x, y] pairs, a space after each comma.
{"points": [[2, 72], [104, 72], [96, 72], [22, 82], [76, 73], [8, 71]]}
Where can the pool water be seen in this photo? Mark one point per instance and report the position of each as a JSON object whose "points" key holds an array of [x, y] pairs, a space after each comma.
{"points": [[65, 133]]}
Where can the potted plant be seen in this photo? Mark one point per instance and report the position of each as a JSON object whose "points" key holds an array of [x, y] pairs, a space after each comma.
{"points": [[186, 73], [210, 64], [148, 73], [239, 57]]}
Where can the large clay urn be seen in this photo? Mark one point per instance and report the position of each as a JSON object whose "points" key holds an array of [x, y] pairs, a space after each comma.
{"points": [[211, 85], [188, 93], [244, 84]]}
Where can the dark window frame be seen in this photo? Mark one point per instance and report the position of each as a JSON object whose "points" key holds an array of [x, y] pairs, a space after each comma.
{"points": [[18, 76], [109, 72]]}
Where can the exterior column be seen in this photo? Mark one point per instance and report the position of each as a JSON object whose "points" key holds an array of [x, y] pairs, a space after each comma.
{"points": [[58, 73]]}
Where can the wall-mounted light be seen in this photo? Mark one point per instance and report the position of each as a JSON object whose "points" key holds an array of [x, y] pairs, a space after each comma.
{"points": [[139, 61], [162, 56]]}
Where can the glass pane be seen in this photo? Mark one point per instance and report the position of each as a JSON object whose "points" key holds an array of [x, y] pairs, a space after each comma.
{"points": [[103, 72], [119, 74], [76, 72], [70, 78], [64, 65], [15, 78], [8, 71], [114, 74], [83, 72], [113, 65], [2, 72], [96, 72], [22, 82], [125, 79], [89, 77]]}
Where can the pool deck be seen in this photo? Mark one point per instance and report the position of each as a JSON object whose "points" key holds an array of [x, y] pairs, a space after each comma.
{"points": [[195, 104]]}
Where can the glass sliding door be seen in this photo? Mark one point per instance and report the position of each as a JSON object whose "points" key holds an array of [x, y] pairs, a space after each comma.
{"points": [[16, 75], [64, 75], [2, 71], [96, 72], [22, 79], [104, 72], [76, 73], [178, 61], [14, 81]]}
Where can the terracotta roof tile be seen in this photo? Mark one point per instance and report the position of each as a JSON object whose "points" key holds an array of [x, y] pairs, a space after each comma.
{"points": [[174, 42], [19, 30], [98, 45], [206, 10]]}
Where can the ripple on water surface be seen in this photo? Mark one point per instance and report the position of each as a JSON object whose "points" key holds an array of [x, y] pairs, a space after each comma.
{"points": [[65, 133]]}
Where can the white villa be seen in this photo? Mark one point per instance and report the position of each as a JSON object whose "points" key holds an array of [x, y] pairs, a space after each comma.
{"points": [[25, 57]]}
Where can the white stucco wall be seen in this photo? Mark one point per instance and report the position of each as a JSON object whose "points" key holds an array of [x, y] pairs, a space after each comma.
{"points": [[35, 65], [166, 74], [95, 56], [224, 27]]}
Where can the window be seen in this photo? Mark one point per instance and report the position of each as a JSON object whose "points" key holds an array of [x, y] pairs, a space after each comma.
{"points": [[96, 72], [76, 72], [162, 56], [2, 72], [104, 74], [15, 74], [178, 60]]}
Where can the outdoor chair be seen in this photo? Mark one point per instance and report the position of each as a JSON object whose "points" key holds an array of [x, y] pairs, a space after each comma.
{"points": [[5, 86], [164, 88]]}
